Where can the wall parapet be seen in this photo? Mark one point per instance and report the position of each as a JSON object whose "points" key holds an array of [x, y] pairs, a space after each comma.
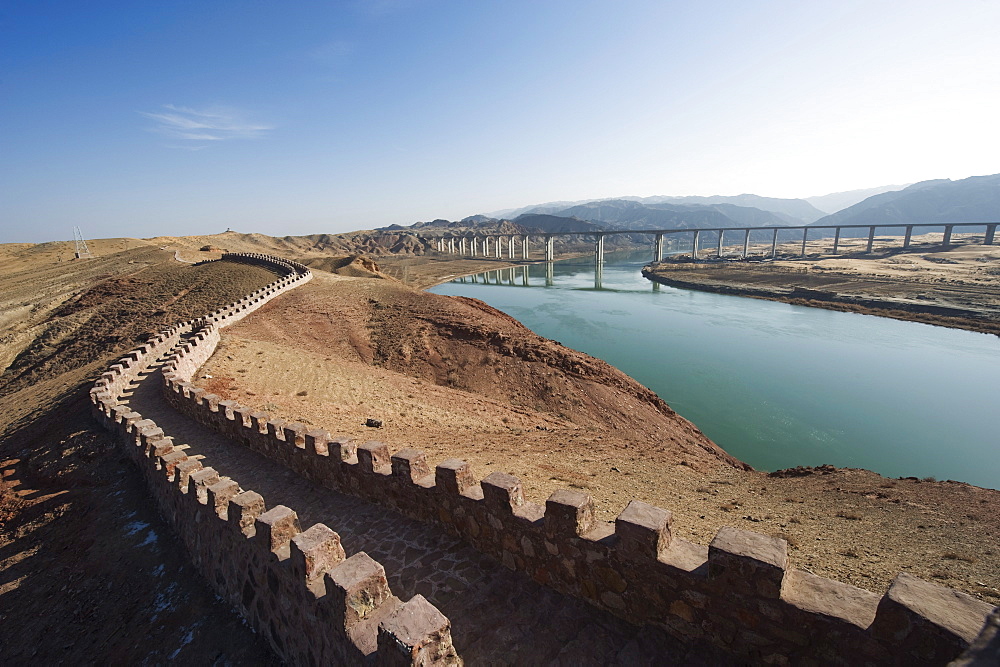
{"points": [[738, 592], [296, 587]]}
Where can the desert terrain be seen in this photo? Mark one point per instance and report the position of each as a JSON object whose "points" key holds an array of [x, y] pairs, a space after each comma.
{"points": [[81, 551], [954, 286]]}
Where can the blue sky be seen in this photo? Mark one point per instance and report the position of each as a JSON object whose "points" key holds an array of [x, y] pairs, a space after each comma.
{"points": [[141, 118]]}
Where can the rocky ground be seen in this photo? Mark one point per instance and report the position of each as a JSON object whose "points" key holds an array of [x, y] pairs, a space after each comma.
{"points": [[955, 286], [89, 573]]}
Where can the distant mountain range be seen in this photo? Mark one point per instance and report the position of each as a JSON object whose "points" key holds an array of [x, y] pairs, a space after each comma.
{"points": [[975, 199], [695, 211], [796, 211], [838, 201]]}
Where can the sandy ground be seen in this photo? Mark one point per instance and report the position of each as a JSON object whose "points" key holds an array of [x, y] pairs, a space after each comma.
{"points": [[956, 286]]}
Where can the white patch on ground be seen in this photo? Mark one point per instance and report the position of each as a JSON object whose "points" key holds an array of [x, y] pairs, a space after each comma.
{"points": [[187, 639], [134, 527], [163, 600]]}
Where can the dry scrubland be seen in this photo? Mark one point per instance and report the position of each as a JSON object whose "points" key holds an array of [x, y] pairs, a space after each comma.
{"points": [[955, 286], [80, 551]]}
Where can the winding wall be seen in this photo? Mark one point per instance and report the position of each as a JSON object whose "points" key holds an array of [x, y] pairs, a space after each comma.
{"points": [[738, 592], [295, 587]]}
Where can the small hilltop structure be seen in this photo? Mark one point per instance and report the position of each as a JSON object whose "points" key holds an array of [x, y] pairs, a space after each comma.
{"points": [[82, 251]]}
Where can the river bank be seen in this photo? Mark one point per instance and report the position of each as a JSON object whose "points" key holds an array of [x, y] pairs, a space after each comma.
{"points": [[957, 286]]}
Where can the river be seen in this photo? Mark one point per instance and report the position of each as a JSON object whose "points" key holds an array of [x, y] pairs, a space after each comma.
{"points": [[775, 385]]}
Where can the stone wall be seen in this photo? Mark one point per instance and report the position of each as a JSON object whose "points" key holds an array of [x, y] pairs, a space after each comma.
{"points": [[737, 592], [296, 587]]}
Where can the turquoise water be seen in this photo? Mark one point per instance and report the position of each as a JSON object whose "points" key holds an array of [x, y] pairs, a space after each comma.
{"points": [[776, 385]]}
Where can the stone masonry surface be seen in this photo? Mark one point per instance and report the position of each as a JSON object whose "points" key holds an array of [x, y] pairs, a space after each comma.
{"points": [[295, 587]]}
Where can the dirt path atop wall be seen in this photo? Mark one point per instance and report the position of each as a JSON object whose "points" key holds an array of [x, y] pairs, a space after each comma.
{"points": [[498, 616], [442, 375]]}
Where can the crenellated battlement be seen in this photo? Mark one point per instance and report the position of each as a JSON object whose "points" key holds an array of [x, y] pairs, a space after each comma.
{"points": [[296, 587], [737, 592]]}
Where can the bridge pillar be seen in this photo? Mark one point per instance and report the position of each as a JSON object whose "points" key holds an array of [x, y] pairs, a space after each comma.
{"points": [[694, 245], [991, 231], [524, 247], [499, 248], [908, 236], [746, 242], [947, 235], [805, 237], [871, 239], [599, 250], [463, 245], [510, 247], [451, 245], [658, 248], [774, 244], [718, 252], [549, 249], [836, 240], [548, 274], [598, 274]]}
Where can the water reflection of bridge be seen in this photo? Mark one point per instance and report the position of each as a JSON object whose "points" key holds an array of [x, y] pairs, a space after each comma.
{"points": [[474, 244], [520, 276]]}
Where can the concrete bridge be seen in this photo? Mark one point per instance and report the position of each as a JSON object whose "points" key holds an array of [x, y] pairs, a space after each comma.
{"points": [[494, 245]]}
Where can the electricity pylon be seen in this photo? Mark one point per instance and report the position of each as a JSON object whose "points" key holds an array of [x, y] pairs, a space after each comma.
{"points": [[82, 251]]}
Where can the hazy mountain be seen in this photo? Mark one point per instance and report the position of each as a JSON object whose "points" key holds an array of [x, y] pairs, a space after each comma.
{"points": [[629, 214], [624, 214], [744, 216], [543, 222], [799, 211], [838, 201], [479, 220], [974, 199], [548, 207]]}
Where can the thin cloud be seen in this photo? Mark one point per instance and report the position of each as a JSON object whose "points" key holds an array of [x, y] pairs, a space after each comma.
{"points": [[195, 125]]}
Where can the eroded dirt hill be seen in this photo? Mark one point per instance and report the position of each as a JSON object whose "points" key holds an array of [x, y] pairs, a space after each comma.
{"points": [[456, 378]]}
